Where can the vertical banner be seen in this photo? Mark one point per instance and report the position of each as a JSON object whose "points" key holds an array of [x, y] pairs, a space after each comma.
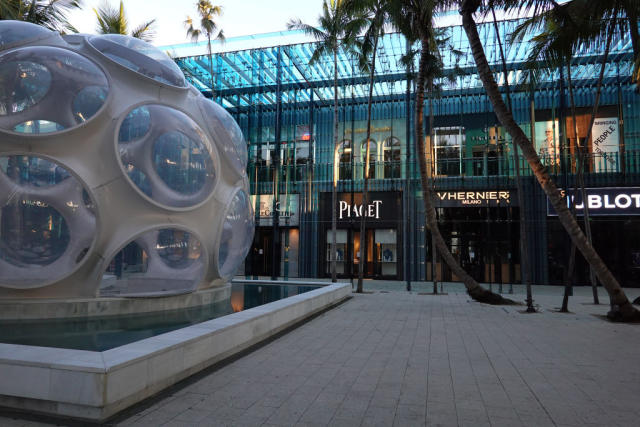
{"points": [[548, 142], [605, 144]]}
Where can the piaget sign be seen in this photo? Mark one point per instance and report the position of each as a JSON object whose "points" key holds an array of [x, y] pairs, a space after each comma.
{"points": [[603, 201], [372, 210], [474, 198]]}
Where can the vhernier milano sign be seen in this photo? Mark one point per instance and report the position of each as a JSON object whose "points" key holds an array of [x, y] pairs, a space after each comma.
{"points": [[450, 199]]}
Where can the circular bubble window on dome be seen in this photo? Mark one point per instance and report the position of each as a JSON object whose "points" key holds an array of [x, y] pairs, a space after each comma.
{"points": [[139, 56], [47, 222], [237, 234], [15, 31], [226, 133], [47, 89], [165, 261], [166, 156]]}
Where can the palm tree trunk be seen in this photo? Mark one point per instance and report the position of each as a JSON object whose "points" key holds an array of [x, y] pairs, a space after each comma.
{"points": [[579, 176], [476, 291], [365, 165], [621, 307], [525, 271], [334, 196], [430, 171]]}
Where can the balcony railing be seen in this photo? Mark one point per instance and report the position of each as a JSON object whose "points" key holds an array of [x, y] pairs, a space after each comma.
{"points": [[626, 163]]}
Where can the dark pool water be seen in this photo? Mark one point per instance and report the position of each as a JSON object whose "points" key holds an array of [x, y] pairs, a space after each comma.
{"points": [[99, 334]]}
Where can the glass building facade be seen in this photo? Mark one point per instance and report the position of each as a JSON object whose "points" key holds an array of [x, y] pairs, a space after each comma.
{"points": [[284, 106]]}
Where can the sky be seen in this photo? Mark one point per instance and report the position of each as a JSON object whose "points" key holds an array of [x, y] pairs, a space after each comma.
{"points": [[240, 17]]}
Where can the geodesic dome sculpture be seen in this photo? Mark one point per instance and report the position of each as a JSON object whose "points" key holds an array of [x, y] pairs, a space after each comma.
{"points": [[117, 177]]}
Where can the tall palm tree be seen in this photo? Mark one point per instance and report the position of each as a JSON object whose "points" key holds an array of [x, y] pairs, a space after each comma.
{"points": [[51, 14], [621, 307], [209, 28], [336, 30], [375, 14], [525, 265], [113, 20], [415, 19], [553, 47]]}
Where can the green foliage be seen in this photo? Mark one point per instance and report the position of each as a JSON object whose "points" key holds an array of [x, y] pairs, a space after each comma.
{"points": [[114, 21], [337, 28], [51, 14]]}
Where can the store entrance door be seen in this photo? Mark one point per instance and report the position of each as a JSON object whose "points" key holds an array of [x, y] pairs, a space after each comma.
{"points": [[261, 252]]}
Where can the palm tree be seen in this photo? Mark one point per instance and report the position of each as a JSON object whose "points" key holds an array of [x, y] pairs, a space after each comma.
{"points": [[553, 47], [209, 28], [114, 21], [525, 266], [414, 18], [621, 307], [51, 14], [375, 14], [336, 30]]}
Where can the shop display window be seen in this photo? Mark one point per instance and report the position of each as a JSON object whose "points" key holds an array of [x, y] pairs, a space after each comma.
{"points": [[341, 250], [387, 246]]}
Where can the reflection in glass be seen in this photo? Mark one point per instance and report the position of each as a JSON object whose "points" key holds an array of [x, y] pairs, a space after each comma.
{"points": [[22, 85], [31, 233], [38, 126], [88, 101], [166, 155], [14, 31], [165, 261], [35, 171], [391, 152], [345, 158], [139, 56], [226, 134], [46, 89], [237, 234], [180, 162], [47, 221], [135, 125], [177, 248]]}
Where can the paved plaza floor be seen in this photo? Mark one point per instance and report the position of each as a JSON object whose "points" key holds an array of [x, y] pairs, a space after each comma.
{"points": [[393, 358]]}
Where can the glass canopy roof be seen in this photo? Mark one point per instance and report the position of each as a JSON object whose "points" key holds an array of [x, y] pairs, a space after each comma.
{"points": [[250, 76]]}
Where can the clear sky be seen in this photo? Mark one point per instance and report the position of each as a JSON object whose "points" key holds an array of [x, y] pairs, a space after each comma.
{"points": [[240, 17]]}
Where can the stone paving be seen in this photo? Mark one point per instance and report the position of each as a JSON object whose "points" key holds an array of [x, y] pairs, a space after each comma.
{"points": [[405, 359]]}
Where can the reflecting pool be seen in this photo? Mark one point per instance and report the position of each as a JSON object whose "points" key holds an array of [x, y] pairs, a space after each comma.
{"points": [[99, 334]]}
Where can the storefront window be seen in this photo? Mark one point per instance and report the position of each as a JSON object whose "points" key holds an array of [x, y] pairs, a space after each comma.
{"points": [[391, 153], [344, 157], [373, 156], [341, 250], [386, 248], [448, 150]]}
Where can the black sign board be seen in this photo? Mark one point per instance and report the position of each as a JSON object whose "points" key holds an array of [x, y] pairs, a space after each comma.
{"points": [[468, 198], [382, 207], [603, 201]]}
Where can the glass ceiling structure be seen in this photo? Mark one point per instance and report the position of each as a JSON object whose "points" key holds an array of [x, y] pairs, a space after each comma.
{"points": [[251, 76]]}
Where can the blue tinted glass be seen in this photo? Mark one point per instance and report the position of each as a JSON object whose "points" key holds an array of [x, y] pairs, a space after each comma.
{"points": [[139, 56], [135, 125], [237, 234], [38, 126], [14, 31], [180, 162], [88, 101], [32, 171], [22, 85]]}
